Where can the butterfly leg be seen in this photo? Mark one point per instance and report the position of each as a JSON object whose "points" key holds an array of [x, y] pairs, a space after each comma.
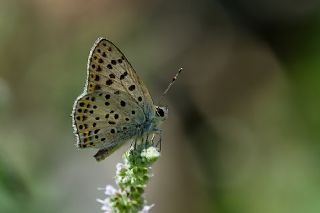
{"points": [[158, 144], [147, 143], [133, 145], [152, 140]]}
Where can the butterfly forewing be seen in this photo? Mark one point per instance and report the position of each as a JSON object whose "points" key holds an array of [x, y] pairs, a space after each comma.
{"points": [[108, 69]]}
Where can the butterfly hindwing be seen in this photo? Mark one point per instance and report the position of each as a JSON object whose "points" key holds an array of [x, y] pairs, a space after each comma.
{"points": [[104, 153], [105, 118]]}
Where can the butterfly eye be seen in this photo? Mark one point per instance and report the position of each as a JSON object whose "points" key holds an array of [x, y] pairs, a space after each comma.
{"points": [[160, 112]]}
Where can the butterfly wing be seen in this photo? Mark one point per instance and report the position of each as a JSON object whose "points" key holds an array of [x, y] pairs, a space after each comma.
{"points": [[103, 153], [106, 119], [108, 68], [115, 101]]}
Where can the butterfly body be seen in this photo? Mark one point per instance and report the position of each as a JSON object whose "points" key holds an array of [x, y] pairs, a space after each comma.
{"points": [[115, 106]]}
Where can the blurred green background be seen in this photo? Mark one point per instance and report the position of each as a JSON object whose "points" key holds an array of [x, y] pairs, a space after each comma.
{"points": [[243, 129]]}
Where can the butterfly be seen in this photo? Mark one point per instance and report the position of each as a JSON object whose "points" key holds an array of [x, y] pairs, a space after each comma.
{"points": [[115, 106]]}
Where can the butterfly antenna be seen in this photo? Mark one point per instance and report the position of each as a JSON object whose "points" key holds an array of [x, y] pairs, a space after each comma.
{"points": [[170, 85]]}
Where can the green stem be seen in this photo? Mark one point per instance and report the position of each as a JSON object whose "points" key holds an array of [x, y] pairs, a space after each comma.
{"points": [[132, 177]]}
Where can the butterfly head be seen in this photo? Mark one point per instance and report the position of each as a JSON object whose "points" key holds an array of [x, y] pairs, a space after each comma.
{"points": [[161, 113]]}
